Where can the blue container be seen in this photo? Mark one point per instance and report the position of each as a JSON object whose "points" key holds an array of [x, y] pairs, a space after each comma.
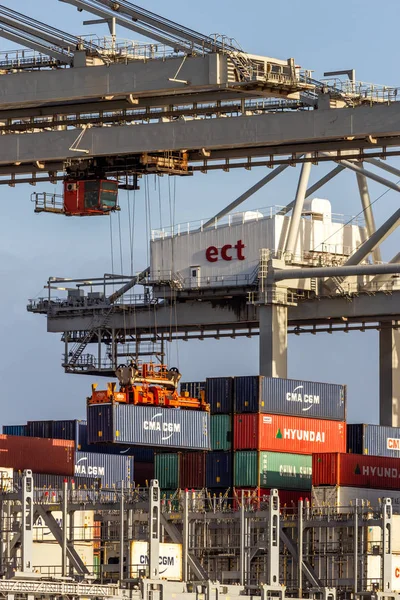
{"points": [[194, 388], [111, 469], [292, 397], [153, 426], [219, 394], [41, 429], [376, 440], [219, 470], [20, 430]]}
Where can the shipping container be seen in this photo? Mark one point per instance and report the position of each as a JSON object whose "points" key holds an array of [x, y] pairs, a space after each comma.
{"points": [[170, 560], [44, 481], [377, 440], [15, 430], [221, 432], [290, 397], [39, 455], [111, 469], [47, 557], [166, 470], [144, 473], [335, 495], [356, 470], [219, 394], [192, 470], [254, 497], [148, 426], [219, 470], [279, 433], [194, 388], [41, 429], [273, 470], [83, 526]]}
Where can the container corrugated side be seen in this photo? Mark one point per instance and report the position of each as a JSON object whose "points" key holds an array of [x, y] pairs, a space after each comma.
{"points": [[293, 397], [110, 468], [219, 470], [192, 470], [280, 433], [140, 454], [144, 473], [100, 423], [42, 429], [161, 427], [219, 394], [272, 469], [40, 455], [358, 470], [20, 430], [56, 482], [255, 498], [376, 440], [194, 388], [345, 496], [166, 470], [221, 432]]}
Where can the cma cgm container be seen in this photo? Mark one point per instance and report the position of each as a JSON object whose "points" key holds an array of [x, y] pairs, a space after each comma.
{"points": [[148, 426], [219, 470], [279, 433], [111, 469], [290, 397], [377, 440], [39, 455], [273, 470], [219, 394], [221, 432], [356, 470]]}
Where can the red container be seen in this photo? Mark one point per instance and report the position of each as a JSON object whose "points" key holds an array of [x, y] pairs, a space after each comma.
{"points": [[254, 497], [144, 473], [192, 470], [41, 455], [278, 433], [356, 470]]}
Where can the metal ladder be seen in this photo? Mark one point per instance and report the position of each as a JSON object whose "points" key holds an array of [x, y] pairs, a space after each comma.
{"points": [[79, 347]]}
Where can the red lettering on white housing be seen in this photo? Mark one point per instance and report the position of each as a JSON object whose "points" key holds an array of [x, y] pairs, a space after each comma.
{"points": [[212, 252]]}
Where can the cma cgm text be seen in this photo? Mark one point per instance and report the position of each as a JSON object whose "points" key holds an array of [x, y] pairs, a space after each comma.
{"points": [[165, 427], [305, 398]]}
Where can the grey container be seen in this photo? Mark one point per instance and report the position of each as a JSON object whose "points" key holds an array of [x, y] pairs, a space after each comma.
{"points": [[376, 440], [292, 397], [110, 469], [56, 482], [148, 426]]}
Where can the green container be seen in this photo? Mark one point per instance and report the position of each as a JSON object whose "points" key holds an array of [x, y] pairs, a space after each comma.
{"points": [[272, 470], [96, 566], [166, 470], [221, 432]]}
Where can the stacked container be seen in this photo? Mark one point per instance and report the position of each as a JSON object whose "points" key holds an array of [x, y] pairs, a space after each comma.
{"points": [[219, 395], [278, 424]]}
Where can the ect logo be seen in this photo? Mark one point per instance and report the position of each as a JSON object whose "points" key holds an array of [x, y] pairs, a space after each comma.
{"points": [[212, 252]]}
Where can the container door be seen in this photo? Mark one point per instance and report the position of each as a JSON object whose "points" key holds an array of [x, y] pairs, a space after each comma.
{"points": [[195, 272]]}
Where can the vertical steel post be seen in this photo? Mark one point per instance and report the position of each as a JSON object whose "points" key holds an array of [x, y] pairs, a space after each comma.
{"points": [[71, 537], [154, 527], [387, 544], [355, 535], [64, 508], [273, 539], [185, 535], [121, 532], [27, 521], [242, 540], [300, 548], [298, 207]]}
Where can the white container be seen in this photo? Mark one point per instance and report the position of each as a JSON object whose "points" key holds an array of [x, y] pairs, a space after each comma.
{"points": [[83, 527], [346, 496], [47, 557], [6, 479], [170, 562]]}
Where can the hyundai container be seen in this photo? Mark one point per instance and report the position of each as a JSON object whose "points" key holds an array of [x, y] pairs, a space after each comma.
{"points": [[279, 433], [290, 397], [219, 394], [377, 440], [148, 426], [337, 495], [221, 432], [219, 470], [356, 470], [192, 470], [166, 470], [273, 470], [37, 454]]}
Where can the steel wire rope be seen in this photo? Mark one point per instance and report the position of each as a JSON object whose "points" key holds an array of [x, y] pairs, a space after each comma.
{"points": [[131, 226], [173, 309], [148, 237], [122, 272], [354, 217]]}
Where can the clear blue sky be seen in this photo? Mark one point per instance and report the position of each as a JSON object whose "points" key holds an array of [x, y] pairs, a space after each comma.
{"points": [[360, 34]]}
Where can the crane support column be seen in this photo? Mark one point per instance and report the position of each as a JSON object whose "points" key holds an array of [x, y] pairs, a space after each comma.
{"points": [[389, 375], [273, 340], [369, 215], [298, 207]]}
